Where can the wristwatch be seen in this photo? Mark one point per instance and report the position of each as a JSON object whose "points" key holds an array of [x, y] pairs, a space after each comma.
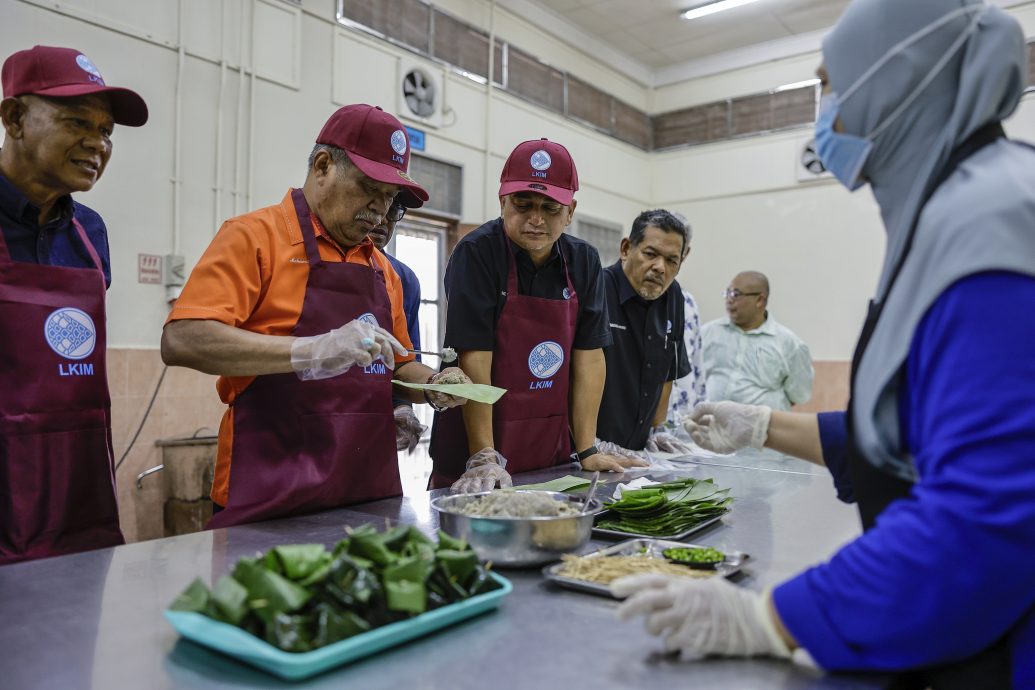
{"points": [[589, 452]]}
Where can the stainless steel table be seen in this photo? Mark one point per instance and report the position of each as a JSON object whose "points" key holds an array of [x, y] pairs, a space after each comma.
{"points": [[94, 620]]}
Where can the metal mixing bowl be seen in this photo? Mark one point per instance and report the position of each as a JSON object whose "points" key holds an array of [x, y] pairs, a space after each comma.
{"points": [[517, 542]]}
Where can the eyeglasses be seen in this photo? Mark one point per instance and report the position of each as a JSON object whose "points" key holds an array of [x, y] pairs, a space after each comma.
{"points": [[737, 294], [395, 213]]}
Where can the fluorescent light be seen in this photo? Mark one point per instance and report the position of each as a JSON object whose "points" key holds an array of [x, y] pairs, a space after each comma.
{"points": [[713, 7], [796, 85]]}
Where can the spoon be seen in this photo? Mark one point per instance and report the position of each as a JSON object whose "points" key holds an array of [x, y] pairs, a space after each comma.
{"points": [[592, 490], [447, 355]]}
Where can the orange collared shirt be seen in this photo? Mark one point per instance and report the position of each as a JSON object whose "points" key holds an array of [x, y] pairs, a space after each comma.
{"points": [[253, 276]]}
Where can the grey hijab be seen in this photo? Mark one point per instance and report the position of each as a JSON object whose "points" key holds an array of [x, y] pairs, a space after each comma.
{"points": [[925, 75]]}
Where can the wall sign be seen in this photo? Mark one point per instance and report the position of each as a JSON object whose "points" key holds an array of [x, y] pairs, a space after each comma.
{"points": [[149, 269], [416, 138]]}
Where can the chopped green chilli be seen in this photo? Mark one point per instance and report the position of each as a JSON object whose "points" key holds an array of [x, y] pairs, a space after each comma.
{"points": [[692, 554], [302, 597], [668, 509]]}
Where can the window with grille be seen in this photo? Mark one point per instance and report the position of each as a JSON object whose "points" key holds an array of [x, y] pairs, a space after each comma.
{"points": [[444, 182], [605, 237]]}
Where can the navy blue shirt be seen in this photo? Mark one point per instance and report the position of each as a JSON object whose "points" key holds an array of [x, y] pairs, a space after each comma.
{"points": [[56, 242], [647, 351], [411, 307], [915, 590]]}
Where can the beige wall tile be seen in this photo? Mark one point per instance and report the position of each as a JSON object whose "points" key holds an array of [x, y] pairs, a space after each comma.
{"points": [[830, 387]]}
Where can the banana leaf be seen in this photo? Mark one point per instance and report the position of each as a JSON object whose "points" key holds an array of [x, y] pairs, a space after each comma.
{"points": [[269, 594], [302, 597], [297, 561], [231, 599]]}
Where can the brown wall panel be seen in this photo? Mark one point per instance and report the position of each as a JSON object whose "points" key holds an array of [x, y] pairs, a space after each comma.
{"points": [[632, 125], [461, 44], [405, 21], [751, 114], [535, 81], [589, 104]]}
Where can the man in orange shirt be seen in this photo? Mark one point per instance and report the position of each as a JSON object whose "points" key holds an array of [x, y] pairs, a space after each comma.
{"points": [[302, 319]]}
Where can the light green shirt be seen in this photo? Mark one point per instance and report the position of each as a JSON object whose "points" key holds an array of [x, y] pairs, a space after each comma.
{"points": [[766, 366]]}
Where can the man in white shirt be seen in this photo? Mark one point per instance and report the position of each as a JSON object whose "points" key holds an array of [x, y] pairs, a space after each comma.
{"points": [[749, 357]]}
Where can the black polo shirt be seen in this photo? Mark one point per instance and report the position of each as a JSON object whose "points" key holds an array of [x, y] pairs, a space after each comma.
{"points": [[476, 285], [56, 242], [647, 351]]}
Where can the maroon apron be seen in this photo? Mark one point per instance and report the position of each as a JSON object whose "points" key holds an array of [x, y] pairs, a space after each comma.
{"points": [[303, 446], [531, 359], [57, 482]]}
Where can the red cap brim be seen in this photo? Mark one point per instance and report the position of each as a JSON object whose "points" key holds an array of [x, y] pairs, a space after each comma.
{"points": [[412, 195], [127, 107], [558, 194]]}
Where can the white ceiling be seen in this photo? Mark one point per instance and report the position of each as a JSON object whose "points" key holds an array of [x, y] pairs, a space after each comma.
{"points": [[652, 33], [649, 42]]}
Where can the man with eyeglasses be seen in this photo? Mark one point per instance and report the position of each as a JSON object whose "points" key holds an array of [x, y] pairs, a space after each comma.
{"points": [[526, 312], [408, 428], [645, 311], [302, 319], [749, 357]]}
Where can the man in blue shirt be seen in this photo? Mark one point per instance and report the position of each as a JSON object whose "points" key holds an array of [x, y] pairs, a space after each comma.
{"points": [[58, 490], [408, 428]]}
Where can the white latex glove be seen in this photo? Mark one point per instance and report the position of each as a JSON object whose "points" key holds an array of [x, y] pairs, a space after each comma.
{"points": [[613, 458], [357, 343], [725, 427], [408, 428], [609, 448], [661, 441], [484, 471], [699, 618], [441, 400]]}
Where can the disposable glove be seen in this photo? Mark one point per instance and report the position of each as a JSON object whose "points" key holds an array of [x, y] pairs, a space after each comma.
{"points": [[408, 428], [725, 427], [609, 448], [613, 458], [441, 401], [661, 441], [484, 471], [357, 343], [701, 617]]}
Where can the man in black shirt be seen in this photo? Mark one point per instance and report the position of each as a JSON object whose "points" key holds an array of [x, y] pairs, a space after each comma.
{"points": [[645, 308], [526, 312]]}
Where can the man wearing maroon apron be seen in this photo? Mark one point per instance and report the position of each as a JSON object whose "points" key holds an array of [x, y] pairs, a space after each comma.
{"points": [[57, 483], [302, 317], [526, 312]]}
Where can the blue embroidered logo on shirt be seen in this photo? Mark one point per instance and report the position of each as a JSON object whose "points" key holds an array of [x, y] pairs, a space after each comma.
{"points": [[545, 359], [70, 332]]}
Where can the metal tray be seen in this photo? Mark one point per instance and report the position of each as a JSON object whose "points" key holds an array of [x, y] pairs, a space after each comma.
{"points": [[615, 534], [732, 564]]}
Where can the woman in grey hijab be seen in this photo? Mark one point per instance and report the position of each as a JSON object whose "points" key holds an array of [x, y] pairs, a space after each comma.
{"points": [[938, 444]]}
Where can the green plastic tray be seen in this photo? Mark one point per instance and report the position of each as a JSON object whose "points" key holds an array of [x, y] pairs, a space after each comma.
{"points": [[244, 646]]}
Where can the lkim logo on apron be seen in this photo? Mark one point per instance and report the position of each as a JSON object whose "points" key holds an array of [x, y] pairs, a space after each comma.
{"points": [[375, 367], [70, 332], [545, 359]]}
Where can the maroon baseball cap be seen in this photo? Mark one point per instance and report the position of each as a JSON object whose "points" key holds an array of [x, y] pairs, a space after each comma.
{"points": [[540, 166], [65, 73], [376, 143]]}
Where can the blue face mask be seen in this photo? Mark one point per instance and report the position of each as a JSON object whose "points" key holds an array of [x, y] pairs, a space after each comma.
{"points": [[842, 154]]}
